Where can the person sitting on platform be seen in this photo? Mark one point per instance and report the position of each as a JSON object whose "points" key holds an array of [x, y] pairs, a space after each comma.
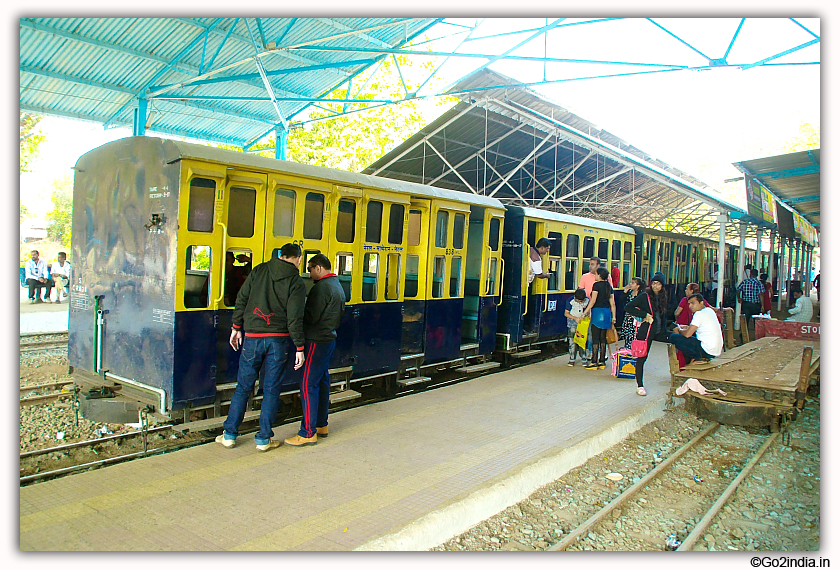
{"points": [[37, 279], [61, 276], [702, 339], [804, 308]]}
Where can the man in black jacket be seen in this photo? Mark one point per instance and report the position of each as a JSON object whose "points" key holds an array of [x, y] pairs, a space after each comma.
{"points": [[321, 318], [269, 307]]}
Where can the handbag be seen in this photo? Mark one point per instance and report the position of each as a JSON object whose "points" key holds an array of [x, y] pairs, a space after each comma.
{"points": [[582, 332], [624, 365], [639, 348], [612, 335]]}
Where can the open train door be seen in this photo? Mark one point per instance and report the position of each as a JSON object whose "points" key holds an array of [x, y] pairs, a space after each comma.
{"points": [[414, 304]]}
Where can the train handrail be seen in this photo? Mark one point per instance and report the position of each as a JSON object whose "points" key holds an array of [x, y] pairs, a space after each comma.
{"points": [[221, 277], [527, 287], [501, 283]]}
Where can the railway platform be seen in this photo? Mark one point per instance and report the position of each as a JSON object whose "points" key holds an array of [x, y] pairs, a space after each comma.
{"points": [[42, 317], [403, 474]]}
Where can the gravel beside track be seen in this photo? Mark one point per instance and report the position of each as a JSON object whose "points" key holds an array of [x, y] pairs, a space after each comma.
{"points": [[775, 508]]}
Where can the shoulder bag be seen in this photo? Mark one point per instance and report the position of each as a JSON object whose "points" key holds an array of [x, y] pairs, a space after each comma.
{"points": [[639, 348]]}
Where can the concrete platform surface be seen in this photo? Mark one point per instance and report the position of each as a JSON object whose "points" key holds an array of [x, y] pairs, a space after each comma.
{"points": [[404, 474], [42, 317]]}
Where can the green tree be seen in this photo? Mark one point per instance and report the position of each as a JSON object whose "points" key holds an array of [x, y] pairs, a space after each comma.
{"points": [[24, 213], [29, 139], [60, 218], [808, 138]]}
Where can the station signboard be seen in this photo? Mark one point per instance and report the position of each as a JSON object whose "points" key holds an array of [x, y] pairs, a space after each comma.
{"points": [[755, 207], [768, 205]]}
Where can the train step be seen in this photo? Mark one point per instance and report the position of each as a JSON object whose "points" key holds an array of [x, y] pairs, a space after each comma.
{"points": [[529, 335], [469, 346], [404, 382], [344, 396], [405, 357], [212, 423], [479, 367], [228, 386], [524, 353]]}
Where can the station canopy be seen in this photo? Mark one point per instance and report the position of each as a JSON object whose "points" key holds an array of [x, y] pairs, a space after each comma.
{"points": [[794, 178], [225, 80], [514, 145]]}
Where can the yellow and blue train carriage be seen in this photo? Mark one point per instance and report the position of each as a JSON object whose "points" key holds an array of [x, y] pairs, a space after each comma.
{"points": [[535, 313], [166, 233]]}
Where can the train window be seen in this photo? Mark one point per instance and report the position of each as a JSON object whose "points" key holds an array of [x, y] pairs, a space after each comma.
{"points": [[555, 266], [345, 224], [455, 278], [441, 227], [492, 271], [284, 213], [238, 264], [667, 253], [572, 246], [556, 249], [370, 289], [437, 277], [495, 230], [603, 249], [415, 218], [588, 247], [616, 250], [396, 222], [241, 211], [313, 216], [392, 276], [304, 263], [647, 249], [197, 279], [344, 270], [202, 196], [626, 273], [412, 275], [458, 231], [571, 274], [628, 251], [373, 233]]}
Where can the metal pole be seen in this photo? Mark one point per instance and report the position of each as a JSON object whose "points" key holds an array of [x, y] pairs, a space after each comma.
{"points": [[796, 264], [742, 246], [281, 143], [781, 278], [721, 269], [810, 252], [770, 262], [140, 117], [788, 271], [759, 257]]}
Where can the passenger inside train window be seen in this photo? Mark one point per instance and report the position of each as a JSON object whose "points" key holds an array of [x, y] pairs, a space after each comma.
{"points": [[237, 268], [313, 216], [284, 213], [396, 221], [345, 225], [197, 279], [200, 212], [373, 231], [441, 228], [241, 212]]}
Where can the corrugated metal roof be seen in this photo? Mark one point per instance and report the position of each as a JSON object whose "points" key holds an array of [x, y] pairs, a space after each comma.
{"points": [[95, 68], [606, 177], [793, 177]]}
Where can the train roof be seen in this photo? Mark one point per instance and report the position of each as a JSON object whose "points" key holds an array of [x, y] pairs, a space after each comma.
{"points": [[546, 215], [241, 159]]}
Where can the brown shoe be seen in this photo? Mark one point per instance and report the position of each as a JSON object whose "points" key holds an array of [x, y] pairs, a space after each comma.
{"points": [[323, 431], [299, 441]]}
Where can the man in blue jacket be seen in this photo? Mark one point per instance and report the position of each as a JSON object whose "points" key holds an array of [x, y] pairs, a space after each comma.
{"points": [[269, 308], [321, 319]]}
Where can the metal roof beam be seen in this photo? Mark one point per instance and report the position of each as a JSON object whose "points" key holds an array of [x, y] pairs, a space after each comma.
{"points": [[525, 160], [268, 87], [801, 199], [781, 54], [679, 39], [79, 80], [787, 173], [803, 27], [353, 32], [484, 149], [451, 168]]}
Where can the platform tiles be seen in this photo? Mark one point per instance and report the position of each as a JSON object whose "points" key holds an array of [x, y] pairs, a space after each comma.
{"points": [[404, 474]]}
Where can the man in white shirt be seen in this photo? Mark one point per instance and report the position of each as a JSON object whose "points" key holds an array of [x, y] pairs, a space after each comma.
{"points": [[702, 339], [36, 278], [536, 268], [60, 273], [803, 310]]}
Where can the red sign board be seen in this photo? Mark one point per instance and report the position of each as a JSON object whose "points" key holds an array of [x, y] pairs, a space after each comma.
{"points": [[787, 329]]}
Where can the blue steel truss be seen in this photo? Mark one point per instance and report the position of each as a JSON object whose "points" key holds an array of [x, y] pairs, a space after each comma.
{"points": [[239, 80]]}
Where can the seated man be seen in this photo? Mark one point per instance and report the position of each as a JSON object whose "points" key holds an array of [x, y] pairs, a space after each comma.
{"points": [[37, 279], [804, 308], [707, 343], [61, 276]]}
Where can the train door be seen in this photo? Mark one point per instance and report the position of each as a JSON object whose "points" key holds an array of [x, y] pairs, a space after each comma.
{"points": [[445, 293], [537, 291], [552, 317], [481, 279], [492, 275], [416, 265]]}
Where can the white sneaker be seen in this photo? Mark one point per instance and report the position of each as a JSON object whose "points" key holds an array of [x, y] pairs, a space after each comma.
{"points": [[641, 391], [226, 442]]}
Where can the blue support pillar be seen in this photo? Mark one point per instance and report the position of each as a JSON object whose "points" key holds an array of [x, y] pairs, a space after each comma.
{"points": [[140, 117], [281, 142]]}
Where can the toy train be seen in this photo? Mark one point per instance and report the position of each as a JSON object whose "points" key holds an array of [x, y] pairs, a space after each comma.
{"points": [[165, 232]]}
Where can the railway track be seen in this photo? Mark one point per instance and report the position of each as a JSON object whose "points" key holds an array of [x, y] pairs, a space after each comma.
{"points": [[595, 525], [37, 342]]}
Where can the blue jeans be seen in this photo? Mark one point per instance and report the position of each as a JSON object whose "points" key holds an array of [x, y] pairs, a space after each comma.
{"points": [[689, 346], [575, 350], [256, 351], [315, 387]]}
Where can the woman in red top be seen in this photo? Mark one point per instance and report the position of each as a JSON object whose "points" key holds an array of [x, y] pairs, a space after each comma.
{"points": [[684, 314], [767, 297]]}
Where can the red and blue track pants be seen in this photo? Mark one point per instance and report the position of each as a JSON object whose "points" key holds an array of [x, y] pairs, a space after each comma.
{"points": [[315, 386]]}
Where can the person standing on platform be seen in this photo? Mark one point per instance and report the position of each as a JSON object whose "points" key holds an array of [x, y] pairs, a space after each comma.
{"points": [[767, 297], [804, 308], [36, 278], [817, 286], [702, 339], [602, 308], [269, 307], [321, 319], [642, 308], [574, 313], [589, 279], [631, 323], [750, 292]]}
